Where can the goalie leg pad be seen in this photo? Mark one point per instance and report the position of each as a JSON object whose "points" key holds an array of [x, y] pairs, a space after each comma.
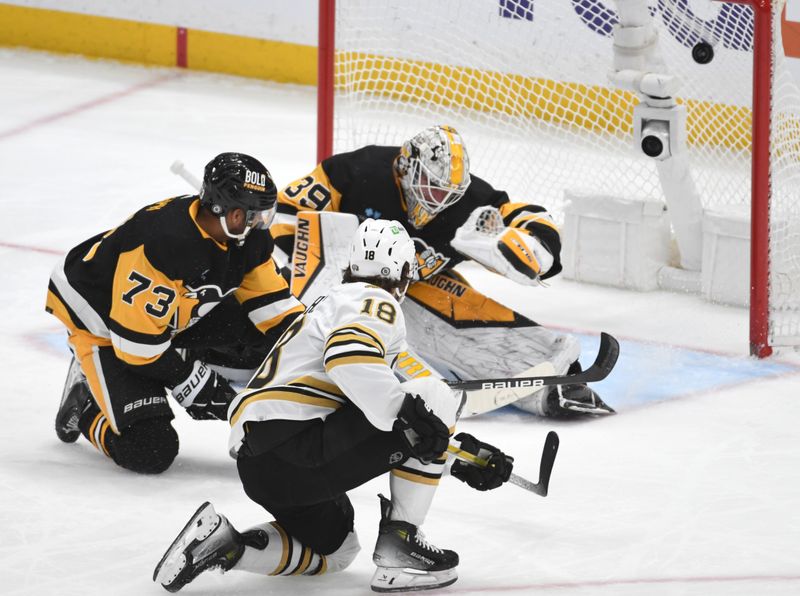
{"points": [[479, 351]]}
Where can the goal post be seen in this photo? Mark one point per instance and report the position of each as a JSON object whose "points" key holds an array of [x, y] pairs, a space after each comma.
{"points": [[528, 84], [765, 21]]}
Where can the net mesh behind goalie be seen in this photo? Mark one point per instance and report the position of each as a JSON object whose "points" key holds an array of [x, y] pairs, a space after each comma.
{"points": [[526, 84]]}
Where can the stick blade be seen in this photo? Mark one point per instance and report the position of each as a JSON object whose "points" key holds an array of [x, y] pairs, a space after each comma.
{"points": [[549, 452], [609, 349], [607, 356]]}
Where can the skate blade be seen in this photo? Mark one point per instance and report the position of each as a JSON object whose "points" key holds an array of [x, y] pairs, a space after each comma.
{"points": [[598, 407], [201, 525], [398, 579]]}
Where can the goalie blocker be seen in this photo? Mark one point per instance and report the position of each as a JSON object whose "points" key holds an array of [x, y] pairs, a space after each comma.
{"points": [[455, 330]]}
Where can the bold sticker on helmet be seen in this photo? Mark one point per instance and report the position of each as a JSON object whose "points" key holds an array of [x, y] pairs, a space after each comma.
{"points": [[255, 181]]}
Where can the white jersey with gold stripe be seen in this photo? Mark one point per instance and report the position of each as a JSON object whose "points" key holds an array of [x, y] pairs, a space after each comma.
{"points": [[340, 351]]}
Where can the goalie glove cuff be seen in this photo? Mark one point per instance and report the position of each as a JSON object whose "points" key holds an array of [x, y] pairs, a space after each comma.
{"points": [[496, 472], [511, 252], [517, 248]]}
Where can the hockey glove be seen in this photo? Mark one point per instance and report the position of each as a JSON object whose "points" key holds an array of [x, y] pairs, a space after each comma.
{"points": [[423, 432], [496, 472], [205, 394], [510, 251]]}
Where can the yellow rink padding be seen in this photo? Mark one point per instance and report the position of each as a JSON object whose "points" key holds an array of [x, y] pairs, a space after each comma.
{"points": [[100, 37], [148, 43], [250, 57]]}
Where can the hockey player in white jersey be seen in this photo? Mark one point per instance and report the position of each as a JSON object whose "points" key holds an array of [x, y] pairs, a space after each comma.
{"points": [[324, 414]]}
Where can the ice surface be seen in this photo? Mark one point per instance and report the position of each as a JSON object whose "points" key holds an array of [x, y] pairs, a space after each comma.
{"points": [[692, 489]]}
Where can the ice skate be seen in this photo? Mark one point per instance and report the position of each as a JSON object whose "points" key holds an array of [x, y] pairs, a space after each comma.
{"points": [[406, 561], [207, 541], [73, 400], [575, 400]]}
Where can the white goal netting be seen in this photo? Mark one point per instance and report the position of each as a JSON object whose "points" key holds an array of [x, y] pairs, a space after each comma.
{"points": [[526, 83]]}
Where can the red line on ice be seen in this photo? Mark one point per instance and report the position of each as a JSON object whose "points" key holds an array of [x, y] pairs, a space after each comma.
{"points": [[49, 251], [627, 582], [23, 128]]}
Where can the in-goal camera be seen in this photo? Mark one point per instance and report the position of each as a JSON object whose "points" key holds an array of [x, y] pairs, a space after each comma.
{"points": [[655, 139], [659, 132]]}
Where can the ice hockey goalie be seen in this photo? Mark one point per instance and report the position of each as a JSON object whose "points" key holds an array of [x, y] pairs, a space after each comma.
{"points": [[453, 216]]}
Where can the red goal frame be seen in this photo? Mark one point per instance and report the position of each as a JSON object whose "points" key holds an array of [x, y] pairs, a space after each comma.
{"points": [[760, 154]]}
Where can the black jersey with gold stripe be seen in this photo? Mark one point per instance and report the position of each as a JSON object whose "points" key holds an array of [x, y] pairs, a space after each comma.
{"points": [[139, 284], [363, 182]]}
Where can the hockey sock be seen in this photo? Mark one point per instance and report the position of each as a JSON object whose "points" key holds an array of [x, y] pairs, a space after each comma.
{"points": [[96, 428], [269, 550], [413, 485]]}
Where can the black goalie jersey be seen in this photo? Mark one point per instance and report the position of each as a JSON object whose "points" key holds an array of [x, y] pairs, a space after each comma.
{"points": [[136, 286], [363, 183]]}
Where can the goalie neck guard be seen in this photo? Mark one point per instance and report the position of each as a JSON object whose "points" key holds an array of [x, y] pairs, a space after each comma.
{"points": [[383, 253], [433, 167]]}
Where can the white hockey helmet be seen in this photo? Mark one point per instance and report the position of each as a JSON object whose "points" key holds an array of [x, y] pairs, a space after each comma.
{"points": [[382, 250], [433, 167]]}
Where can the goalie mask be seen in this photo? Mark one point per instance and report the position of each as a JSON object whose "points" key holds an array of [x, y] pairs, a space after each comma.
{"points": [[433, 167], [383, 253], [238, 181]]}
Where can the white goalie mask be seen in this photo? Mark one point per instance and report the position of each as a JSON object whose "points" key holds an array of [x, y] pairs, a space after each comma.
{"points": [[382, 249], [433, 167]]}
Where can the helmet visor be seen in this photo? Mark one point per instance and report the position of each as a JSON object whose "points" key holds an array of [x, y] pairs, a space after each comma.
{"points": [[258, 220]]}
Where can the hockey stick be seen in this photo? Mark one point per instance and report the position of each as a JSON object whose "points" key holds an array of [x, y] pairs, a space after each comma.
{"points": [[599, 370], [179, 169], [545, 466]]}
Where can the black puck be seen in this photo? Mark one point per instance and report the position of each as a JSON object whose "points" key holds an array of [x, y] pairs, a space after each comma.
{"points": [[703, 52]]}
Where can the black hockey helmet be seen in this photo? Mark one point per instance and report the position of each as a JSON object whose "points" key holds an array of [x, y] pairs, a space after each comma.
{"points": [[236, 180]]}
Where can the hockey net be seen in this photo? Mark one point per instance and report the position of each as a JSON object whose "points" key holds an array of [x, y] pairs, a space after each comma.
{"points": [[526, 84]]}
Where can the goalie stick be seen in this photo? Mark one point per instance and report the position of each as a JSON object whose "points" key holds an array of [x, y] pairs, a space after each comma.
{"points": [[545, 466], [489, 394]]}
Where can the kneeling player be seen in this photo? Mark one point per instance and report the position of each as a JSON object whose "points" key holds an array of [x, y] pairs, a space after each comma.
{"points": [[324, 414], [192, 272]]}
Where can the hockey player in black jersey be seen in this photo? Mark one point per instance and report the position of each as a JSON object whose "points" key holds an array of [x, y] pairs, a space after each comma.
{"points": [[324, 414], [452, 216], [149, 305]]}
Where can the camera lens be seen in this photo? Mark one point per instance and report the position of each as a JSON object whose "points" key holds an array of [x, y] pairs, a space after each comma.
{"points": [[652, 146]]}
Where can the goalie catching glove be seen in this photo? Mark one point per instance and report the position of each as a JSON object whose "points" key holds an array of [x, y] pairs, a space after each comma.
{"points": [[511, 252], [205, 394], [423, 432], [498, 467]]}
